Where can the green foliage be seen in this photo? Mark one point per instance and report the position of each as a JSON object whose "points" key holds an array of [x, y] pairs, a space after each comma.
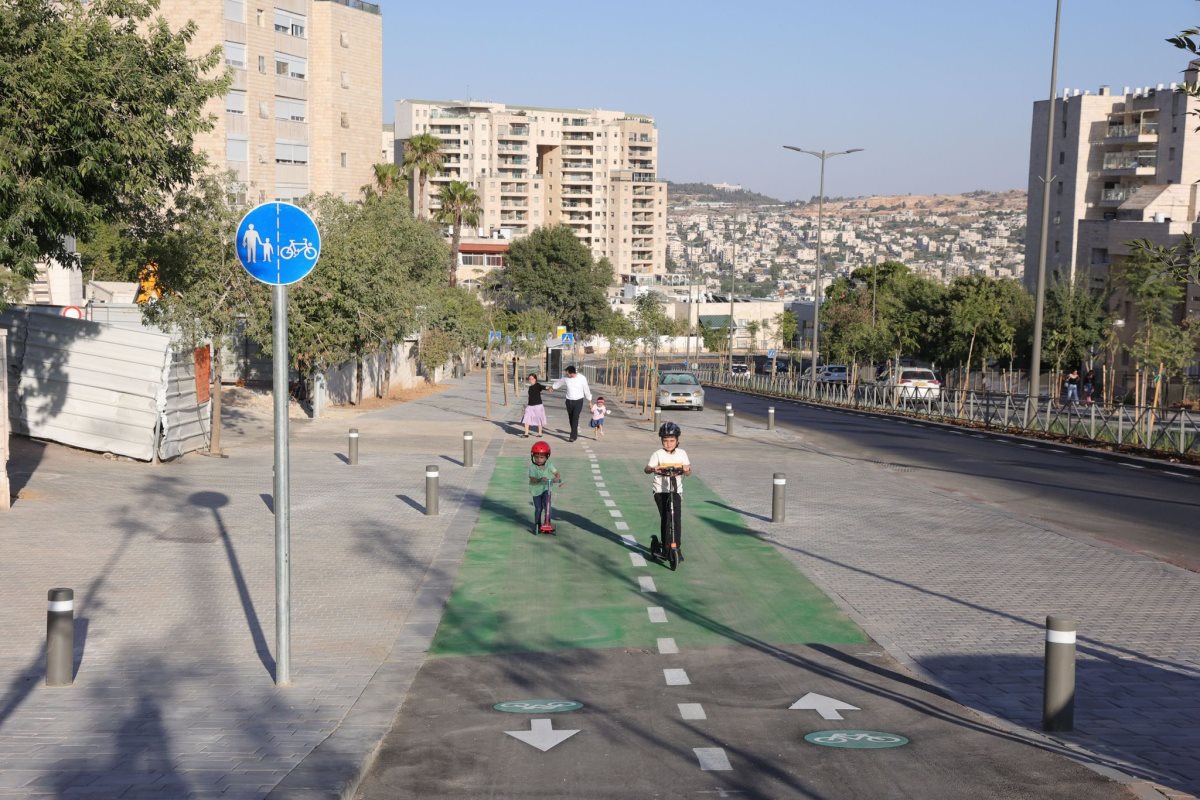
{"points": [[388, 178], [99, 107], [715, 339], [1075, 322], [422, 157], [552, 270], [459, 206], [112, 253], [1153, 279], [786, 326], [650, 319]]}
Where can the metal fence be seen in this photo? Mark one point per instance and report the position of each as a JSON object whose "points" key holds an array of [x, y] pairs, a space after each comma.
{"points": [[1170, 430]]}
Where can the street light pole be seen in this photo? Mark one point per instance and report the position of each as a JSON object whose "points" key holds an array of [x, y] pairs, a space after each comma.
{"points": [[823, 155], [1035, 366], [732, 286]]}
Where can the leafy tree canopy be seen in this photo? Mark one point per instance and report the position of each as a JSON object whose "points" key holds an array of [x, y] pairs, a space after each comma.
{"points": [[552, 270], [99, 106]]}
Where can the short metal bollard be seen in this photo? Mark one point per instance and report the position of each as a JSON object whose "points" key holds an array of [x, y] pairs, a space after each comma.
{"points": [[770, 418], [468, 449], [728, 418], [353, 446], [431, 490], [657, 419], [778, 497], [1058, 700], [60, 637]]}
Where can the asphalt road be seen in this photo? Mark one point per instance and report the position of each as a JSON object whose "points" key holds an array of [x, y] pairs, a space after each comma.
{"points": [[1137, 509]]}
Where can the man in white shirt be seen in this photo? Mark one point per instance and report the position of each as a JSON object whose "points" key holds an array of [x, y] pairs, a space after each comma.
{"points": [[577, 390]]}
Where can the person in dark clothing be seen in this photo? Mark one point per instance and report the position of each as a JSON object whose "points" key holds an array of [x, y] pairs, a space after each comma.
{"points": [[535, 410], [577, 390]]}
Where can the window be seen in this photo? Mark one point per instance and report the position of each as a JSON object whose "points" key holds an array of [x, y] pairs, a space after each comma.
{"points": [[262, 64], [289, 153], [345, 120], [1060, 187], [236, 150], [345, 80], [235, 10], [344, 160], [1062, 156], [235, 54], [294, 110], [1171, 154], [289, 23], [344, 39], [291, 66], [258, 17]]}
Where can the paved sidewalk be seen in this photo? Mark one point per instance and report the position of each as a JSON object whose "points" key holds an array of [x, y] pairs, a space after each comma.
{"points": [[960, 591], [173, 571]]}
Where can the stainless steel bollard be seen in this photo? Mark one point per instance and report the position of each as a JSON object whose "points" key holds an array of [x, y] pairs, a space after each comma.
{"points": [[468, 449], [1058, 699], [728, 418], [60, 637], [778, 497], [431, 490], [353, 446], [770, 418], [657, 419]]}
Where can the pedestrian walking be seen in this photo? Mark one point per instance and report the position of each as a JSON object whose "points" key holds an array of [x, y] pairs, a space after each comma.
{"points": [[1071, 388], [599, 412], [1089, 386], [535, 410], [576, 391]]}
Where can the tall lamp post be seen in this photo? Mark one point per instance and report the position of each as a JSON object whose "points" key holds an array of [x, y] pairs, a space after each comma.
{"points": [[1035, 366], [822, 155]]}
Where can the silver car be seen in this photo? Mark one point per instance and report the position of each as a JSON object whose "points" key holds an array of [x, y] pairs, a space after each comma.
{"points": [[679, 390]]}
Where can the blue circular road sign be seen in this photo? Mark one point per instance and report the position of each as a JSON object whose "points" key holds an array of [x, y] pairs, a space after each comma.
{"points": [[278, 243]]}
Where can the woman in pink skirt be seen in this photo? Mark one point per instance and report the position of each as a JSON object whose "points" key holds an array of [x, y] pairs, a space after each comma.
{"points": [[535, 411]]}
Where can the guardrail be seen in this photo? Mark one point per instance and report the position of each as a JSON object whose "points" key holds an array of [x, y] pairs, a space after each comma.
{"points": [[1173, 430]]}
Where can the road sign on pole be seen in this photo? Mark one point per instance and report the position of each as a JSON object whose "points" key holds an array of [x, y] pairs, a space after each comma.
{"points": [[279, 244], [568, 338], [771, 353]]}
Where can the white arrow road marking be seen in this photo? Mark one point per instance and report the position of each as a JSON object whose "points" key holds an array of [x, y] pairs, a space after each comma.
{"points": [[667, 646], [657, 614], [676, 677], [692, 711], [827, 707], [541, 734], [712, 759], [646, 584]]}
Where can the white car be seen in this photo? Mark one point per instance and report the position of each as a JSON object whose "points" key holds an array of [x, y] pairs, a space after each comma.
{"points": [[830, 373], [679, 390], [912, 383]]}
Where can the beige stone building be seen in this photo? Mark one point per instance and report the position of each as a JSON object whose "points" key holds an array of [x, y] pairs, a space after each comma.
{"points": [[305, 109], [594, 171], [1126, 167]]}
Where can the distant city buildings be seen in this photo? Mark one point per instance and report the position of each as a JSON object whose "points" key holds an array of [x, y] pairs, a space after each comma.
{"points": [[305, 109], [594, 171]]}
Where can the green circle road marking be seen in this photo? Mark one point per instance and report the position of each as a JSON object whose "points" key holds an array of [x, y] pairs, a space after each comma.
{"points": [[856, 740], [538, 706]]}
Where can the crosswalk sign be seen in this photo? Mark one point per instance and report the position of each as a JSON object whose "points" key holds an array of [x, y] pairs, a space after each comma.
{"points": [[568, 338]]}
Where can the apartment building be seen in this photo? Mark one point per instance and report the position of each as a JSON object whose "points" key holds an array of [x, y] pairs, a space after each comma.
{"points": [[594, 171], [1125, 167], [305, 108]]}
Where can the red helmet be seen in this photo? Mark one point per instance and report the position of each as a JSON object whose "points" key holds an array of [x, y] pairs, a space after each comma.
{"points": [[540, 449]]}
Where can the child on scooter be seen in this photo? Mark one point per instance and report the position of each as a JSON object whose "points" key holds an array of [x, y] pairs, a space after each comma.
{"points": [[670, 458], [541, 474]]}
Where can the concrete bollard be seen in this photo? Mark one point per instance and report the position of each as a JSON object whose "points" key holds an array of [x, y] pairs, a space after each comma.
{"points": [[60, 637], [728, 419], [353, 446], [1058, 698], [468, 449], [770, 418], [657, 419], [431, 490], [778, 497]]}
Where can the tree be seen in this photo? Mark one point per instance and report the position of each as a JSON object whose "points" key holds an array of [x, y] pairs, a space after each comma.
{"points": [[1075, 322], [99, 107], [422, 157], [208, 293], [786, 326], [752, 328], [459, 205], [1150, 278], [388, 178], [552, 270]]}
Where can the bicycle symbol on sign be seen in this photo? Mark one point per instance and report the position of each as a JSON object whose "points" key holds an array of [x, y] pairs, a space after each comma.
{"points": [[294, 248]]}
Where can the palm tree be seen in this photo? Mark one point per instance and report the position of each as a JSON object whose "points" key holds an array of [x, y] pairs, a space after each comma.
{"points": [[460, 204], [387, 178], [422, 157]]}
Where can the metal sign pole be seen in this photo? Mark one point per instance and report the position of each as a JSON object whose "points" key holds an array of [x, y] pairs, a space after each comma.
{"points": [[283, 566]]}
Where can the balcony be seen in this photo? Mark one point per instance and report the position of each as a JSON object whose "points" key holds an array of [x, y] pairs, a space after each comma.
{"points": [[296, 88], [513, 188], [520, 203], [513, 174], [522, 160], [577, 165], [445, 130], [576, 122], [236, 125], [512, 147], [578, 136], [643, 203], [576, 204], [581, 177], [512, 130], [513, 216], [443, 113], [292, 131], [1117, 195], [1125, 162], [578, 190], [1126, 131]]}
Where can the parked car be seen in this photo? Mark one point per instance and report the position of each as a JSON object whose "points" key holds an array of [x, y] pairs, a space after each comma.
{"points": [[680, 390], [912, 383], [739, 369], [830, 373]]}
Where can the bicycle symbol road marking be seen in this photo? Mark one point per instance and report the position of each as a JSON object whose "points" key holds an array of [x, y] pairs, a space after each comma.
{"points": [[856, 739], [538, 706]]}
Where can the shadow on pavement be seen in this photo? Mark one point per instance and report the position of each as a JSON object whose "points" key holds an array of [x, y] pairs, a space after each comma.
{"points": [[411, 503]]}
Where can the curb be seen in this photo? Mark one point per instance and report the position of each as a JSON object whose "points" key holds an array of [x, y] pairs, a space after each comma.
{"points": [[335, 767]]}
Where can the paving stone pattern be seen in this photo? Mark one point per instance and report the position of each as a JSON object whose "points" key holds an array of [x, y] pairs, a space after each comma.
{"points": [[961, 591]]}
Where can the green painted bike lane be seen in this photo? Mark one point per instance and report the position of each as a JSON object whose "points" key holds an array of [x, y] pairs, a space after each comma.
{"points": [[520, 592]]}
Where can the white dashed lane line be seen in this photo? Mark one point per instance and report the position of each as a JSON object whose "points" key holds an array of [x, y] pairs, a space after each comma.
{"points": [[676, 677], [656, 614], [622, 526], [610, 503], [629, 540], [1132, 466], [692, 711], [604, 493], [614, 512], [646, 584], [637, 560], [667, 646], [712, 759]]}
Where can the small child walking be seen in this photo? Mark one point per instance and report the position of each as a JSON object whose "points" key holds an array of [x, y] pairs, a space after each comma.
{"points": [[599, 412], [541, 474]]}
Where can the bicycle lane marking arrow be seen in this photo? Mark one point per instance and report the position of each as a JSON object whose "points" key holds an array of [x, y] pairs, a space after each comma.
{"points": [[827, 707], [541, 734]]}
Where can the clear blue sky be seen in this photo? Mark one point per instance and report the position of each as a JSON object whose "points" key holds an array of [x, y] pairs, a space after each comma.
{"points": [[939, 92]]}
